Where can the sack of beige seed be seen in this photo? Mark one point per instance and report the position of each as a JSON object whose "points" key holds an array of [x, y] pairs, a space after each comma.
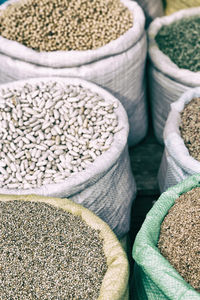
{"points": [[66, 137], [80, 254], [167, 80], [152, 9], [172, 6], [166, 249], [98, 41], [181, 139]]}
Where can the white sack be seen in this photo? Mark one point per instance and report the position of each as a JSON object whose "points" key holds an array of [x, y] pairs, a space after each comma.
{"points": [[118, 66], [107, 187], [152, 9], [166, 80], [177, 164]]}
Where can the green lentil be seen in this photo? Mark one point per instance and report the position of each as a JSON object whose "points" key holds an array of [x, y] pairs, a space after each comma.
{"points": [[48, 253], [180, 41]]}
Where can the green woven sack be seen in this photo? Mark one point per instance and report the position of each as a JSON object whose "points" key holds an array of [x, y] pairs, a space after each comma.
{"points": [[154, 277]]}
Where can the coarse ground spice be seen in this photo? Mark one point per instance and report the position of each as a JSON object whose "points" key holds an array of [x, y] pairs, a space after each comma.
{"points": [[48, 253], [190, 127], [180, 41], [45, 25], [179, 240]]}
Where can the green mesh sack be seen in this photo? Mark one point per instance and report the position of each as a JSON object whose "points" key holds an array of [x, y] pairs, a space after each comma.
{"points": [[154, 278]]}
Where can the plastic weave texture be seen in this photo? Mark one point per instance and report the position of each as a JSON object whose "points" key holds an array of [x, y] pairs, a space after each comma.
{"points": [[154, 277]]}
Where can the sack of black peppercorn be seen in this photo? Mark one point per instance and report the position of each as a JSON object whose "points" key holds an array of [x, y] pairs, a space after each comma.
{"points": [[104, 42], [174, 62], [182, 141]]}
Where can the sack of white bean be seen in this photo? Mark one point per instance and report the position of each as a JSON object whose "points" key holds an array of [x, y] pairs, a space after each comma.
{"points": [[101, 41], [175, 72], [152, 9], [66, 137], [81, 256], [181, 138], [166, 249]]}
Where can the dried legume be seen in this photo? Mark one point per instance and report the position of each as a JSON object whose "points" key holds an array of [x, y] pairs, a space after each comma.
{"points": [[48, 253], [53, 25], [190, 127], [38, 139], [179, 238], [180, 41]]}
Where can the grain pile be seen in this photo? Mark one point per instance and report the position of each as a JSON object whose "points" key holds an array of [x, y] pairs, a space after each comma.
{"points": [[190, 127], [49, 130], [48, 253], [179, 240], [180, 41], [65, 24]]}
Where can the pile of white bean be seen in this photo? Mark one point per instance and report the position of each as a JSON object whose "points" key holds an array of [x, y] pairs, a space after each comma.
{"points": [[49, 130]]}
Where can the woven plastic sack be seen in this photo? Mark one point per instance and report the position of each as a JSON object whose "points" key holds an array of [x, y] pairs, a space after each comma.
{"points": [[115, 282], [107, 186], [154, 277], [172, 6], [166, 80], [118, 66], [152, 9], [177, 164]]}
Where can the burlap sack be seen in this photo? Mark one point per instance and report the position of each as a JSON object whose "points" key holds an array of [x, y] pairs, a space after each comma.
{"points": [[115, 282], [172, 6]]}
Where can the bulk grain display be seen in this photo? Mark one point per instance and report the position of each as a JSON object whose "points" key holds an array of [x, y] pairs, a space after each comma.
{"points": [[179, 240], [101, 41], [66, 137], [172, 6], [166, 249], [53, 248], [174, 62], [181, 138]]}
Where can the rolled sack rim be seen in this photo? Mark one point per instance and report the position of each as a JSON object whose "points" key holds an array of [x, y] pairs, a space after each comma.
{"points": [[172, 137], [116, 257], [145, 245], [161, 61], [73, 58], [102, 163]]}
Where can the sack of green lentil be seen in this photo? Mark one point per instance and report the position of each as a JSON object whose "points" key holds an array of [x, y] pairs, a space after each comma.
{"points": [[67, 137], [101, 41], [181, 138], [172, 6], [174, 62], [80, 254], [154, 275], [152, 9]]}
